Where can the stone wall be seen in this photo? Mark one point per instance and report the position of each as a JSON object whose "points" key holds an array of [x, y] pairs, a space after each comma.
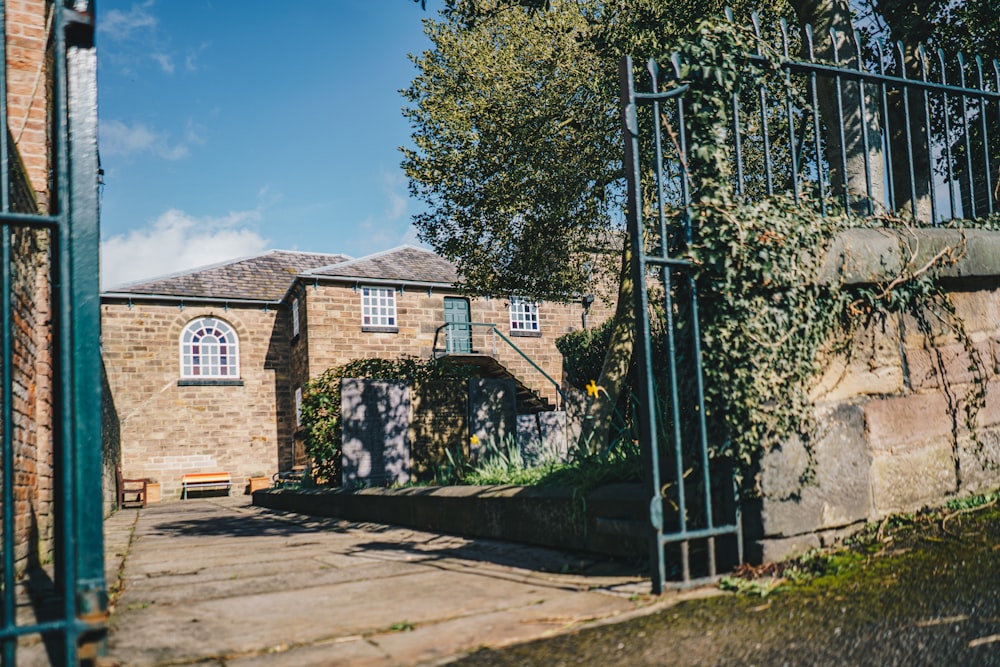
{"points": [[334, 334], [167, 428], [893, 436]]}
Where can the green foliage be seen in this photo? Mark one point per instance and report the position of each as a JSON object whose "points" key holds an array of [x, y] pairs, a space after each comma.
{"points": [[321, 419], [502, 463], [766, 314], [583, 353], [517, 137]]}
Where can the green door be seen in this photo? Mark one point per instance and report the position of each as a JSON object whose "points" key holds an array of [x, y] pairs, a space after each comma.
{"points": [[456, 316]]}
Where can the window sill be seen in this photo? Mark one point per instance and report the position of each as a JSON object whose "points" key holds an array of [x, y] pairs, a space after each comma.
{"points": [[216, 382], [526, 334], [380, 329]]}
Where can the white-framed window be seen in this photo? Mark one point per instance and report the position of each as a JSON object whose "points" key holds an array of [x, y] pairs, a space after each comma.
{"points": [[209, 349], [523, 315], [378, 307], [295, 317], [298, 406]]}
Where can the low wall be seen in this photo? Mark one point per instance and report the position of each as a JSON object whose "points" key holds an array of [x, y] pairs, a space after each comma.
{"points": [[892, 434], [612, 521]]}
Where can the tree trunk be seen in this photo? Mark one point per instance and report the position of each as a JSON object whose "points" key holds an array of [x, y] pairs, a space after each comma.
{"points": [[594, 433], [845, 128]]}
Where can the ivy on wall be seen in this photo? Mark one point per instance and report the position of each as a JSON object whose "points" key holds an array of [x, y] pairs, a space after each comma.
{"points": [[768, 318]]}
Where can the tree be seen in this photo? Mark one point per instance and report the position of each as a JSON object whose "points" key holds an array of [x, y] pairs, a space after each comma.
{"points": [[518, 149], [518, 144]]}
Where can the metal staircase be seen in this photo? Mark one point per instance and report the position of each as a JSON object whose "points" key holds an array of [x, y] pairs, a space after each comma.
{"points": [[528, 401], [454, 340]]}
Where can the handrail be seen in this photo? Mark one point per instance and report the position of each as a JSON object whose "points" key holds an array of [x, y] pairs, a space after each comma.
{"points": [[496, 332]]}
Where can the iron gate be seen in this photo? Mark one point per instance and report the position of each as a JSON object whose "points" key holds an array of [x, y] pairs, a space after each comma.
{"points": [[684, 510], [64, 605], [857, 127]]}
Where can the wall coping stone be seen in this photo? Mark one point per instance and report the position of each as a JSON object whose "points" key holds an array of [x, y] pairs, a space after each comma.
{"points": [[864, 256]]}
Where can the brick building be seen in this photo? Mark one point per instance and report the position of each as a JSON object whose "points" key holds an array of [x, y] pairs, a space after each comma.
{"points": [[205, 368], [27, 41]]}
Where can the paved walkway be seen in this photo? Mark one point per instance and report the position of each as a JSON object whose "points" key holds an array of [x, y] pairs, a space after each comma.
{"points": [[218, 581]]}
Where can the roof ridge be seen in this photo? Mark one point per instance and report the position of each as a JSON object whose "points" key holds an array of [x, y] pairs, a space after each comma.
{"points": [[382, 253], [216, 265]]}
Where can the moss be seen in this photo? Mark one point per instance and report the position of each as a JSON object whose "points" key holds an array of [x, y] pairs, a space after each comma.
{"points": [[916, 595]]}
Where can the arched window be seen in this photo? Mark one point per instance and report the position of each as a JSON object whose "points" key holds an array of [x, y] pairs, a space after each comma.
{"points": [[209, 349]]}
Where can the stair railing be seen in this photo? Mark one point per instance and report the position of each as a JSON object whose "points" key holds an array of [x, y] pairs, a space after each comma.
{"points": [[464, 329]]}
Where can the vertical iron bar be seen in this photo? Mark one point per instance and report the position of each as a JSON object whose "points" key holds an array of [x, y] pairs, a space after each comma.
{"points": [[947, 136], [737, 132], [647, 424], [922, 55], [90, 596], [817, 130], [63, 380], [968, 141], [986, 143], [863, 108], [654, 72], [790, 112], [763, 113], [890, 180], [840, 122], [8, 650], [909, 132], [672, 353]]}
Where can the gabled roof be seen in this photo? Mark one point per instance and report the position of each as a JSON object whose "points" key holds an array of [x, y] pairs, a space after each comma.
{"points": [[405, 264], [265, 277]]}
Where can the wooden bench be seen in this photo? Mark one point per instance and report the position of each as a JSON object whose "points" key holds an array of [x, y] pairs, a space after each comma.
{"points": [[203, 481]]}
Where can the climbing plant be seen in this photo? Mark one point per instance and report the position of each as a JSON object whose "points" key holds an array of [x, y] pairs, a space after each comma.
{"points": [[770, 313]]}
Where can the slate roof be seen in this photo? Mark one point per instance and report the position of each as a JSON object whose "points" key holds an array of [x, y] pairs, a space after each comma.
{"points": [[265, 277], [407, 264]]}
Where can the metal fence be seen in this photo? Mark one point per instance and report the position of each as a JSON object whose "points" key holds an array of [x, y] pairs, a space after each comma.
{"points": [[850, 126], [60, 608]]}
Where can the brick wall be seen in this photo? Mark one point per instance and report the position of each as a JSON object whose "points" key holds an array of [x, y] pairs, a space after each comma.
{"points": [[28, 88], [32, 371], [166, 429], [32, 398]]}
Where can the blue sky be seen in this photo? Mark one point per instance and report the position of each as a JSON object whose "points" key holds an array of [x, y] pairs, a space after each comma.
{"points": [[231, 128]]}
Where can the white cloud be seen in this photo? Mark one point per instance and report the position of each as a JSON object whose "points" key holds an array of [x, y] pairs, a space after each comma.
{"points": [[177, 241], [166, 64], [120, 25], [121, 140]]}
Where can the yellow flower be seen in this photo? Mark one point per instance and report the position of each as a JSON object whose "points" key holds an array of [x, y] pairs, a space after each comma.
{"points": [[473, 439], [592, 389]]}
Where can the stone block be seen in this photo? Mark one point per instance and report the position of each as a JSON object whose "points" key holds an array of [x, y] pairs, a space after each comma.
{"points": [[908, 478], [951, 363], [492, 413], [978, 309], [542, 437], [898, 420], [979, 462], [840, 493], [872, 366], [375, 418], [773, 550]]}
